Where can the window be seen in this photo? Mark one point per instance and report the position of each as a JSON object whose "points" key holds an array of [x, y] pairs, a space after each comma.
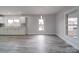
{"points": [[72, 23], [72, 26], [16, 20], [10, 21], [13, 22], [41, 24]]}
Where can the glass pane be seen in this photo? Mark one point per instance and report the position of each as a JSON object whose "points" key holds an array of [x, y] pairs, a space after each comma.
{"points": [[16, 20], [72, 27], [10, 21], [41, 28], [41, 21], [41, 24], [72, 20]]}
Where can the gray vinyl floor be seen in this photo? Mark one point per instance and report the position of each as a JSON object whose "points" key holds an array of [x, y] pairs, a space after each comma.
{"points": [[34, 44]]}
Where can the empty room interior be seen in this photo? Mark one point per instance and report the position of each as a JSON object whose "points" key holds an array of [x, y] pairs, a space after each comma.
{"points": [[39, 29]]}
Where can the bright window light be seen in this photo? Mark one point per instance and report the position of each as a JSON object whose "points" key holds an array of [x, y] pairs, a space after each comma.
{"points": [[41, 28], [41, 24], [10, 21], [72, 26], [41, 21], [72, 20], [13, 22], [16, 20]]}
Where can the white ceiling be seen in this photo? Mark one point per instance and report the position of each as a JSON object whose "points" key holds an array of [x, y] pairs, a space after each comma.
{"points": [[19, 10]]}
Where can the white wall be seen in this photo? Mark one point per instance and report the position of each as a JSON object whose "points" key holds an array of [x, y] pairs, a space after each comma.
{"points": [[33, 25], [60, 27]]}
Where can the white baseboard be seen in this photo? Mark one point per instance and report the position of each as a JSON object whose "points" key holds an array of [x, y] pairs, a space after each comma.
{"points": [[42, 34]]}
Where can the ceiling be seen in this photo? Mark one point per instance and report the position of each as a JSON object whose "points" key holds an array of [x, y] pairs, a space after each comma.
{"points": [[23, 10]]}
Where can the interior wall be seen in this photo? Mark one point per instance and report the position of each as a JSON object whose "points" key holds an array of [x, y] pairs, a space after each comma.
{"points": [[32, 25], [49, 24], [60, 27]]}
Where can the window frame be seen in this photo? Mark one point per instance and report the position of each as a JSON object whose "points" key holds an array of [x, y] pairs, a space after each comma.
{"points": [[66, 20], [41, 24]]}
